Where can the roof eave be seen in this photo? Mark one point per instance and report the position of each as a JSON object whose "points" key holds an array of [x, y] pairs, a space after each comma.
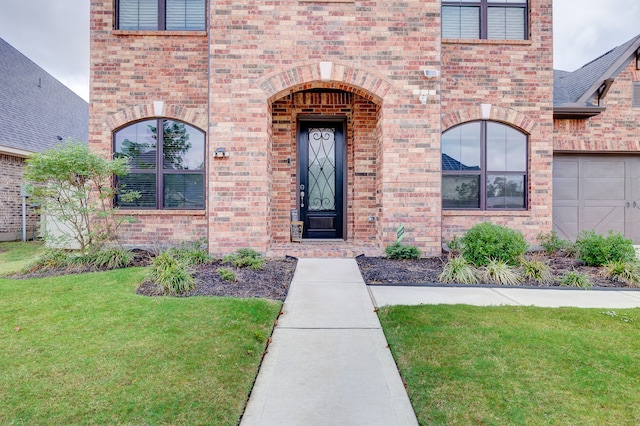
{"points": [[576, 112], [15, 152]]}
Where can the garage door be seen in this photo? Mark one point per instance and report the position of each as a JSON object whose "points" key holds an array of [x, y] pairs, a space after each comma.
{"points": [[597, 192]]}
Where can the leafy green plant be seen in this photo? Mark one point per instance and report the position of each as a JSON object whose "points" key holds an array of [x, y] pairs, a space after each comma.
{"points": [[112, 258], [455, 246], [575, 279], [194, 253], [626, 272], [50, 258], [458, 270], [535, 270], [74, 186], [401, 251], [173, 274], [499, 272], [486, 241], [551, 243], [597, 250], [245, 258], [226, 274]]}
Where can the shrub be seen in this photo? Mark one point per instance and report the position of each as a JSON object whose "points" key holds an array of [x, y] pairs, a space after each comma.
{"points": [[535, 270], [192, 252], [487, 241], [498, 272], [402, 251], [575, 279], [226, 274], [455, 246], [245, 258], [551, 243], [112, 258], [626, 272], [458, 270], [173, 274], [50, 259], [597, 250]]}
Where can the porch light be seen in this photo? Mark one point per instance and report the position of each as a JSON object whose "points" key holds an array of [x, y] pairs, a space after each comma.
{"points": [[221, 153], [638, 59]]}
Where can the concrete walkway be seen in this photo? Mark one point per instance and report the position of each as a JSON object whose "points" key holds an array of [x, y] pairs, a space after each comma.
{"points": [[550, 298], [328, 362]]}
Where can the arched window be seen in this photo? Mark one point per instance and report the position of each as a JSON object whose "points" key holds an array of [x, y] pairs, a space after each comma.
{"points": [[168, 175], [484, 167]]}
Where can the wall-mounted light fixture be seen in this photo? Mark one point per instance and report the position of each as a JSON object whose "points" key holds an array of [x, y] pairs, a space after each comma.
{"points": [[638, 59], [430, 73], [221, 153]]}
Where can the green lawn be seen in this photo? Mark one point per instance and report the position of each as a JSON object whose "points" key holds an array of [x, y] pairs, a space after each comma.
{"points": [[85, 349], [518, 365], [14, 256]]}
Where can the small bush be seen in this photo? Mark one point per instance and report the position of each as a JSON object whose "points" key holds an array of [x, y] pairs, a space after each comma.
{"points": [[245, 258], [112, 258], [173, 274], [226, 274], [487, 241], [455, 246], [551, 243], [458, 270], [626, 272], [193, 253], [50, 259], [536, 270], [498, 272], [401, 251], [575, 279], [597, 250]]}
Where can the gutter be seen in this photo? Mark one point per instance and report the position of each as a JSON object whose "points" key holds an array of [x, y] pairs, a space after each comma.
{"points": [[576, 112]]}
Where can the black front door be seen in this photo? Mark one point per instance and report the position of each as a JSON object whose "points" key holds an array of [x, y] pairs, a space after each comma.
{"points": [[321, 159]]}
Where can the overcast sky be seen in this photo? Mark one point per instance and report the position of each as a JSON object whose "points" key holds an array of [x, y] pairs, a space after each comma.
{"points": [[55, 33]]}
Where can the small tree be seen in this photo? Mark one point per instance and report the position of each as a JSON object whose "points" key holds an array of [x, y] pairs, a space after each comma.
{"points": [[75, 187]]}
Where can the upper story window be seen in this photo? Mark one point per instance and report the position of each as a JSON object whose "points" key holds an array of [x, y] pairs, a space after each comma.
{"points": [[485, 19], [168, 174], [158, 15], [484, 167]]}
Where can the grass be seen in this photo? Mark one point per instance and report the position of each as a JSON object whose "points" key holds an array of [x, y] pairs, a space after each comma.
{"points": [[85, 349], [517, 365], [15, 256]]}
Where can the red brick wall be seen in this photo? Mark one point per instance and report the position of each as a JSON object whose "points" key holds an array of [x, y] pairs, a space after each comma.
{"points": [[361, 158], [11, 201], [515, 78], [130, 70], [615, 130]]}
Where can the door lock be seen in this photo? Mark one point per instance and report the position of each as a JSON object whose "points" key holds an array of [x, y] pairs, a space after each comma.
{"points": [[302, 195]]}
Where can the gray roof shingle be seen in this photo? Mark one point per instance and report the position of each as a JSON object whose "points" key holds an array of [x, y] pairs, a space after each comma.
{"points": [[35, 108], [570, 87]]}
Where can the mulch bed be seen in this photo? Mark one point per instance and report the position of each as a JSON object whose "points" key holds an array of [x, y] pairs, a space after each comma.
{"points": [[271, 282], [383, 271]]}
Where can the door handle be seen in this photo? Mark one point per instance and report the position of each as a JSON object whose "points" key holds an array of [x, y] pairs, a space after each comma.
{"points": [[628, 204], [301, 198], [635, 204]]}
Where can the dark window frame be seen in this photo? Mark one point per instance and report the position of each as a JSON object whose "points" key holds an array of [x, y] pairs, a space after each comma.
{"points": [[484, 6], [160, 171], [483, 173], [162, 22]]}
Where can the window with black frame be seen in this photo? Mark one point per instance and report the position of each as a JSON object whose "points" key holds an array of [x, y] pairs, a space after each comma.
{"points": [[485, 19], [484, 167], [168, 174], [161, 15]]}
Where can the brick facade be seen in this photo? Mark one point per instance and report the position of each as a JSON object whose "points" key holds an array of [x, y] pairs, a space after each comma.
{"points": [[11, 202], [261, 66]]}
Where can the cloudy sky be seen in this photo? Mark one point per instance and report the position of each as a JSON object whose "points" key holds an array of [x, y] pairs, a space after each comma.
{"points": [[55, 33]]}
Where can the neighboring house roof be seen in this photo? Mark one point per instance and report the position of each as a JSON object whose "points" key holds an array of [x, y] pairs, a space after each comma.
{"points": [[449, 163], [35, 108], [577, 94]]}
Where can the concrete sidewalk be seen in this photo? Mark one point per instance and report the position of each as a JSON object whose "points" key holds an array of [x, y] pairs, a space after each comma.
{"points": [[328, 362], [551, 298]]}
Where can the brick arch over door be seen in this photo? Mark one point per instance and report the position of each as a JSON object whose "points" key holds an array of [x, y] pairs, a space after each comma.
{"points": [[365, 83], [495, 113], [140, 112]]}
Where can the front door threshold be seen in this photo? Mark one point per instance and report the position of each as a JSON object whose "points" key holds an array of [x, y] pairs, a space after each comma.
{"points": [[322, 240]]}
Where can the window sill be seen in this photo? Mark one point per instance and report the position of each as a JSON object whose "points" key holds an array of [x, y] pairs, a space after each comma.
{"points": [[161, 33], [486, 42], [481, 213], [151, 212]]}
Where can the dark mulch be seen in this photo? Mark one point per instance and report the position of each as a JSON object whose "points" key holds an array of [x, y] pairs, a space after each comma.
{"points": [[271, 282], [383, 271]]}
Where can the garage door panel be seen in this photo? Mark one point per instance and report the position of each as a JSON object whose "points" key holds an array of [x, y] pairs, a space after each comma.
{"points": [[603, 188], [565, 189], [565, 221], [603, 169], [565, 169]]}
